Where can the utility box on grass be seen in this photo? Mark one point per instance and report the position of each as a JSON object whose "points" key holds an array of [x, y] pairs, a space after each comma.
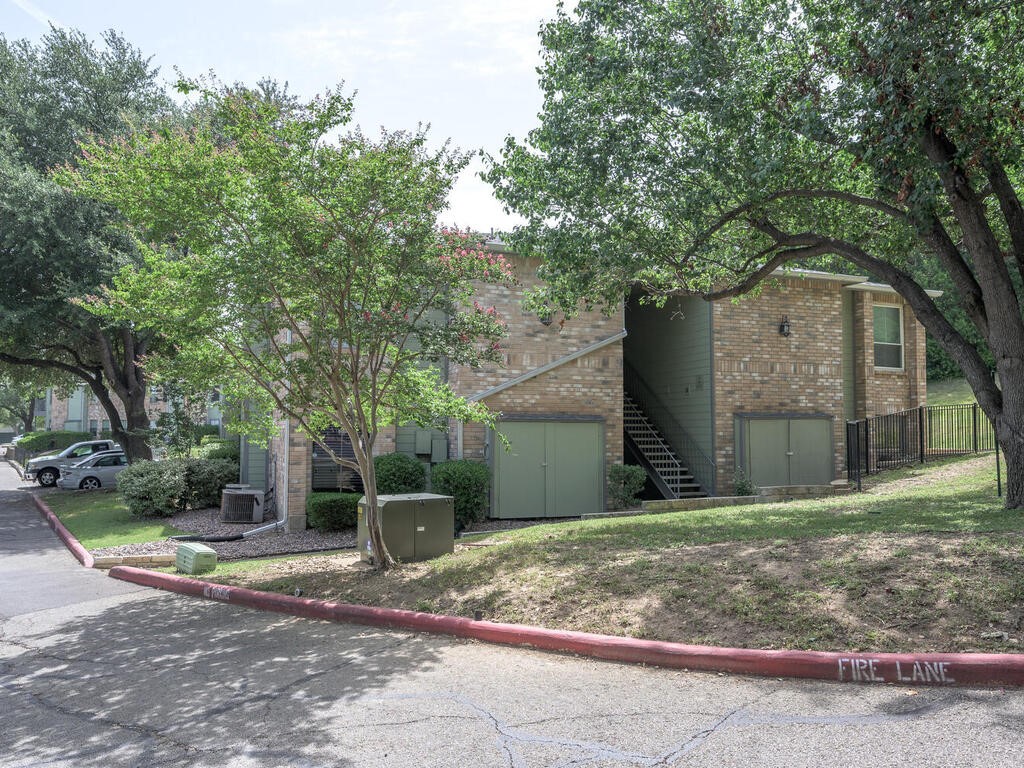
{"points": [[194, 557], [416, 526]]}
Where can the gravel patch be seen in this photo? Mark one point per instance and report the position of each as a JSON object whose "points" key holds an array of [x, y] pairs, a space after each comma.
{"points": [[206, 522]]}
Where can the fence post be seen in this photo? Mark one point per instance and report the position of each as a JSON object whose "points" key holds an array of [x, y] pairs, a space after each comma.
{"points": [[920, 431], [999, 474], [974, 425]]}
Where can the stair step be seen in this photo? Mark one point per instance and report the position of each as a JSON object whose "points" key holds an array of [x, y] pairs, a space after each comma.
{"points": [[658, 453]]}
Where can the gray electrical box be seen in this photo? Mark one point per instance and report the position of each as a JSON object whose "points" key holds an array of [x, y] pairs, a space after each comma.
{"points": [[416, 526]]}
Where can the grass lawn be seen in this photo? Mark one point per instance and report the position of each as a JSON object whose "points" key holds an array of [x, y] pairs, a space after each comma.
{"points": [[950, 392], [925, 559], [99, 519]]}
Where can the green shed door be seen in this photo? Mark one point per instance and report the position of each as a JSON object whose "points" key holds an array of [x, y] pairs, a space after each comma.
{"points": [[787, 451], [554, 469], [767, 444], [810, 444], [520, 472]]}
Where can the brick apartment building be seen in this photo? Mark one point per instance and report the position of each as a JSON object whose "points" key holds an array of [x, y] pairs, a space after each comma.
{"points": [[763, 385]]}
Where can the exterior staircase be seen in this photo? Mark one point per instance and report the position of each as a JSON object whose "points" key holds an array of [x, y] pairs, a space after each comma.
{"points": [[656, 456]]}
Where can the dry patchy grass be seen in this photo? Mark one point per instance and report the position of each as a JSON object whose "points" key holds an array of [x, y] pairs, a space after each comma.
{"points": [[926, 560]]}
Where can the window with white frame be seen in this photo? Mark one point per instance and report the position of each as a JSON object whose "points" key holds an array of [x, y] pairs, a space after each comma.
{"points": [[888, 337]]}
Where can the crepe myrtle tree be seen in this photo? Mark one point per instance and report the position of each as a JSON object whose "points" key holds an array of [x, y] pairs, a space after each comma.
{"points": [[301, 268], [696, 147]]}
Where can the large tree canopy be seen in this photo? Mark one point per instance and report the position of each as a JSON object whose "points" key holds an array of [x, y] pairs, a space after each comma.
{"points": [[698, 146], [307, 270], [56, 246]]}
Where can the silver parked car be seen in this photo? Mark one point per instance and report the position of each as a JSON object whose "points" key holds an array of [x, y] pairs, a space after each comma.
{"points": [[46, 468], [97, 471]]}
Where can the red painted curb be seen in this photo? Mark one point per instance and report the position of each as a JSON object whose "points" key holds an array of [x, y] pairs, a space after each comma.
{"points": [[74, 545], [964, 669]]}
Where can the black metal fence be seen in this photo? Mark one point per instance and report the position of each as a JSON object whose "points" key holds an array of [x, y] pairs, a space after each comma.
{"points": [[915, 436]]}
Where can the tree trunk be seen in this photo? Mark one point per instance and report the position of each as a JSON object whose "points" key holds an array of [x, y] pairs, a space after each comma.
{"points": [[1013, 454], [382, 558], [1009, 427], [131, 433], [28, 416]]}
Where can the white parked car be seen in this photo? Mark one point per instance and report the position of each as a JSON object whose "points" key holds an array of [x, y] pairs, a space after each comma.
{"points": [[97, 471]]}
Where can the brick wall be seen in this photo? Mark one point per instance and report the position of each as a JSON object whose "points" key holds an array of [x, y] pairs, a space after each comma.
{"points": [[590, 385], [291, 497], [758, 370], [884, 391]]}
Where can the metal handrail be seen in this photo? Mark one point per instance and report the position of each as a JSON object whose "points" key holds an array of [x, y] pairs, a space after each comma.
{"points": [[701, 466]]}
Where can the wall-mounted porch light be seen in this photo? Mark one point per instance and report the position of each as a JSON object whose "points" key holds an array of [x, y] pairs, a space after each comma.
{"points": [[784, 326]]}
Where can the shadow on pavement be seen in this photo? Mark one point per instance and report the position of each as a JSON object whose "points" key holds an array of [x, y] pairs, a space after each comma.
{"points": [[170, 679]]}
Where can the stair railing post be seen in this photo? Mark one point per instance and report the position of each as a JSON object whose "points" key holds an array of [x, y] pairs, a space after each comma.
{"points": [[974, 426], [920, 431]]}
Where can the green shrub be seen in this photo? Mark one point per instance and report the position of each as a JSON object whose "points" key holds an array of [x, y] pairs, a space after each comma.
{"points": [[399, 473], [219, 448], [205, 479], [743, 485], [152, 488], [203, 431], [58, 440], [332, 511], [468, 481], [624, 482], [164, 488]]}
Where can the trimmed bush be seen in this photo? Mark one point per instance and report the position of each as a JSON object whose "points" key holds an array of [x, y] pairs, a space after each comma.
{"points": [[468, 481], [206, 478], [332, 511], [219, 448], [399, 473], [164, 488], [44, 442], [624, 482], [152, 488], [206, 430]]}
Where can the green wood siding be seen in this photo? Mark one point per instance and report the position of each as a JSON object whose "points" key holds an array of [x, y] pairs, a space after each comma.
{"points": [[670, 347], [253, 464]]}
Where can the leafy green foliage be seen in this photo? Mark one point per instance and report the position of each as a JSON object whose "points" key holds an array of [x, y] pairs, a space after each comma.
{"points": [[219, 448], [332, 511], [152, 488], [468, 482], [743, 485], [299, 267], [56, 246], [625, 481], [165, 488], [58, 440], [203, 431], [399, 473], [205, 479], [697, 148]]}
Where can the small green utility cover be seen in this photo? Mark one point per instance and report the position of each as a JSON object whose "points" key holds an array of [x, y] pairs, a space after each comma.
{"points": [[194, 557]]}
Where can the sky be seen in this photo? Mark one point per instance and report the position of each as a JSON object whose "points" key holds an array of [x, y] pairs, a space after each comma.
{"points": [[465, 67]]}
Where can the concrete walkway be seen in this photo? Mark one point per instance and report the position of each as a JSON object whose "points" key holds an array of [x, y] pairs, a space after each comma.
{"points": [[96, 673]]}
